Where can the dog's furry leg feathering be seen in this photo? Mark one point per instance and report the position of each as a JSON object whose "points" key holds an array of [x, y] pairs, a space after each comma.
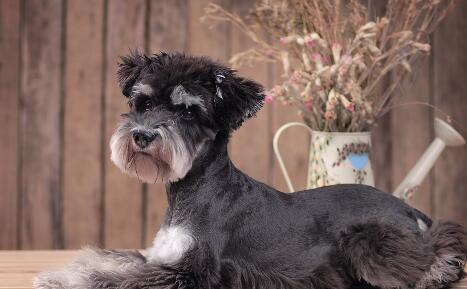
{"points": [[123, 269], [79, 273]]}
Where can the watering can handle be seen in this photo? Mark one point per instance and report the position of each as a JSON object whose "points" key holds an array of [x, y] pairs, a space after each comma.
{"points": [[275, 145]]}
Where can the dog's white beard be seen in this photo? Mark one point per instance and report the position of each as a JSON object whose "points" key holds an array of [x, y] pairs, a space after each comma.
{"points": [[167, 159]]}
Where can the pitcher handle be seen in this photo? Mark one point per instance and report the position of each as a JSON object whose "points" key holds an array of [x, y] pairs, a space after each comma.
{"points": [[275, 145]]}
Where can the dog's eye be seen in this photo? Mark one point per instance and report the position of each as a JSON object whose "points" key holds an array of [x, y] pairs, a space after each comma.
{"points": [[188, 113], [148, 105], [130, 104]]}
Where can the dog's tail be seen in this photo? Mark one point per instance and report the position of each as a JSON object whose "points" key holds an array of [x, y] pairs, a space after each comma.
{"points": [[387, 257]]}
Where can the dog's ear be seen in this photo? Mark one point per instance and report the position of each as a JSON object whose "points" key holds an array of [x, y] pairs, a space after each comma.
{"points": [[237, 99], [129, 69]]}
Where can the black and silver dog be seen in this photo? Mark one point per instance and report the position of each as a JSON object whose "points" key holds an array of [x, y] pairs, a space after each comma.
{"points": [[225, 230]]}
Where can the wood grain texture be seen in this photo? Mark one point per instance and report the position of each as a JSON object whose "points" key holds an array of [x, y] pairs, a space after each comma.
{"points": [[381, 155], [412, 132], [18, 268], [168, 28], [251, 145], [9, 98], [41, 124], [168, 32], [450, 61], [57, 187], [381, 139], [123, 195], [83, 116], [207, 38]]}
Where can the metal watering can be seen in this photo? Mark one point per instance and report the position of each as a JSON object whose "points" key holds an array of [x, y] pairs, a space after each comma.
{"points": [[345, 158]]}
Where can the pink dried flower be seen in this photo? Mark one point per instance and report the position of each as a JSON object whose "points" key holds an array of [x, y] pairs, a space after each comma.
{"points": [[425, 47], [286, 39], [268, 99], [287, 102], [346, 62], [309, 41], [331, 105], [336, 52], [318, 41], [318, 60], [316, 57], [300, 41], [306, 61], [308, 104], [306, 92], [315, 36], [295, 77], [370, 26], [330, 115], [374, 49], [406, 65], [382, 22], [405, 36], [285, 61], [350, 106], [276, 90]]}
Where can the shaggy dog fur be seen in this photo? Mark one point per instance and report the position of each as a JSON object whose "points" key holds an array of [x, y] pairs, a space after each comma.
{"points": [[225, 230]]}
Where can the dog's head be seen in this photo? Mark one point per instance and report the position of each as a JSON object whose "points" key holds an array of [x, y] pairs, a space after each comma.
{"points": [[177, 106]]}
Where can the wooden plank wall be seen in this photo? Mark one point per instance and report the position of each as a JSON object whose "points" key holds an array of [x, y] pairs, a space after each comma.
{"points": [[9, 114], [82, 174], [60, 104], [40, 124]]}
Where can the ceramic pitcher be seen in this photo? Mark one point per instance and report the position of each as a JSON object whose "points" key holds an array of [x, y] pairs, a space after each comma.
{"points": [[334, 158]]}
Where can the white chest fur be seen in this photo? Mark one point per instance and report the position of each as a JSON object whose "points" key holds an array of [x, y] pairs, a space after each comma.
{"points": [[170, 244]]}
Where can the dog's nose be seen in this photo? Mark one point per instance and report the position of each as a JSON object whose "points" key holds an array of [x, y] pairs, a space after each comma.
{"points": [[143, 138]]}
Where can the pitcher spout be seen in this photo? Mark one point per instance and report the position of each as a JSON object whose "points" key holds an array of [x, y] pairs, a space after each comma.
{"points": [[445, 135]]}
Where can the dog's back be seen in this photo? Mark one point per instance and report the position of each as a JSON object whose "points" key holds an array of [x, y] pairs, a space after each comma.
{"points": [[340, 235]]}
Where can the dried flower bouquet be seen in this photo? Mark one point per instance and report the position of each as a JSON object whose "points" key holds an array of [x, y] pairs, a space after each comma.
{"points": [[334, 58]]}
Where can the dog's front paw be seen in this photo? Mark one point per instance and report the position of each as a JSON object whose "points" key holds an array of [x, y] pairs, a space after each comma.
{"points": [[63, 279], [49, 280]]}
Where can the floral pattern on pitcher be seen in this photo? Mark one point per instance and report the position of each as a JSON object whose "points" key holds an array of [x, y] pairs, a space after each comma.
{"points": [[339, 158], [318, 174], [358, 155]]}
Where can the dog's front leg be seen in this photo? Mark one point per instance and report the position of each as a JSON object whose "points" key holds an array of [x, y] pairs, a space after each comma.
{"points": [[78, 274], [148, 276]]}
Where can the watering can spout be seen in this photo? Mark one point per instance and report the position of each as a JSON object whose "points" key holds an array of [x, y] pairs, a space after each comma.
{"points": [[445, 135]]}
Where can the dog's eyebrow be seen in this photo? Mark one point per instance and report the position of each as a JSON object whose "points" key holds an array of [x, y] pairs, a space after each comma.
{"points": [[180, 96], [141, 88]]}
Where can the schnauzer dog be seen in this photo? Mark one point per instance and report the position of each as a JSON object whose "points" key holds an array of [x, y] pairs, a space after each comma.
{"points": [[223, 229]]}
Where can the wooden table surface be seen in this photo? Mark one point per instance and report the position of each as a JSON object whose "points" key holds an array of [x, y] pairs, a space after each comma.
{"points": [[17, 268]]}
